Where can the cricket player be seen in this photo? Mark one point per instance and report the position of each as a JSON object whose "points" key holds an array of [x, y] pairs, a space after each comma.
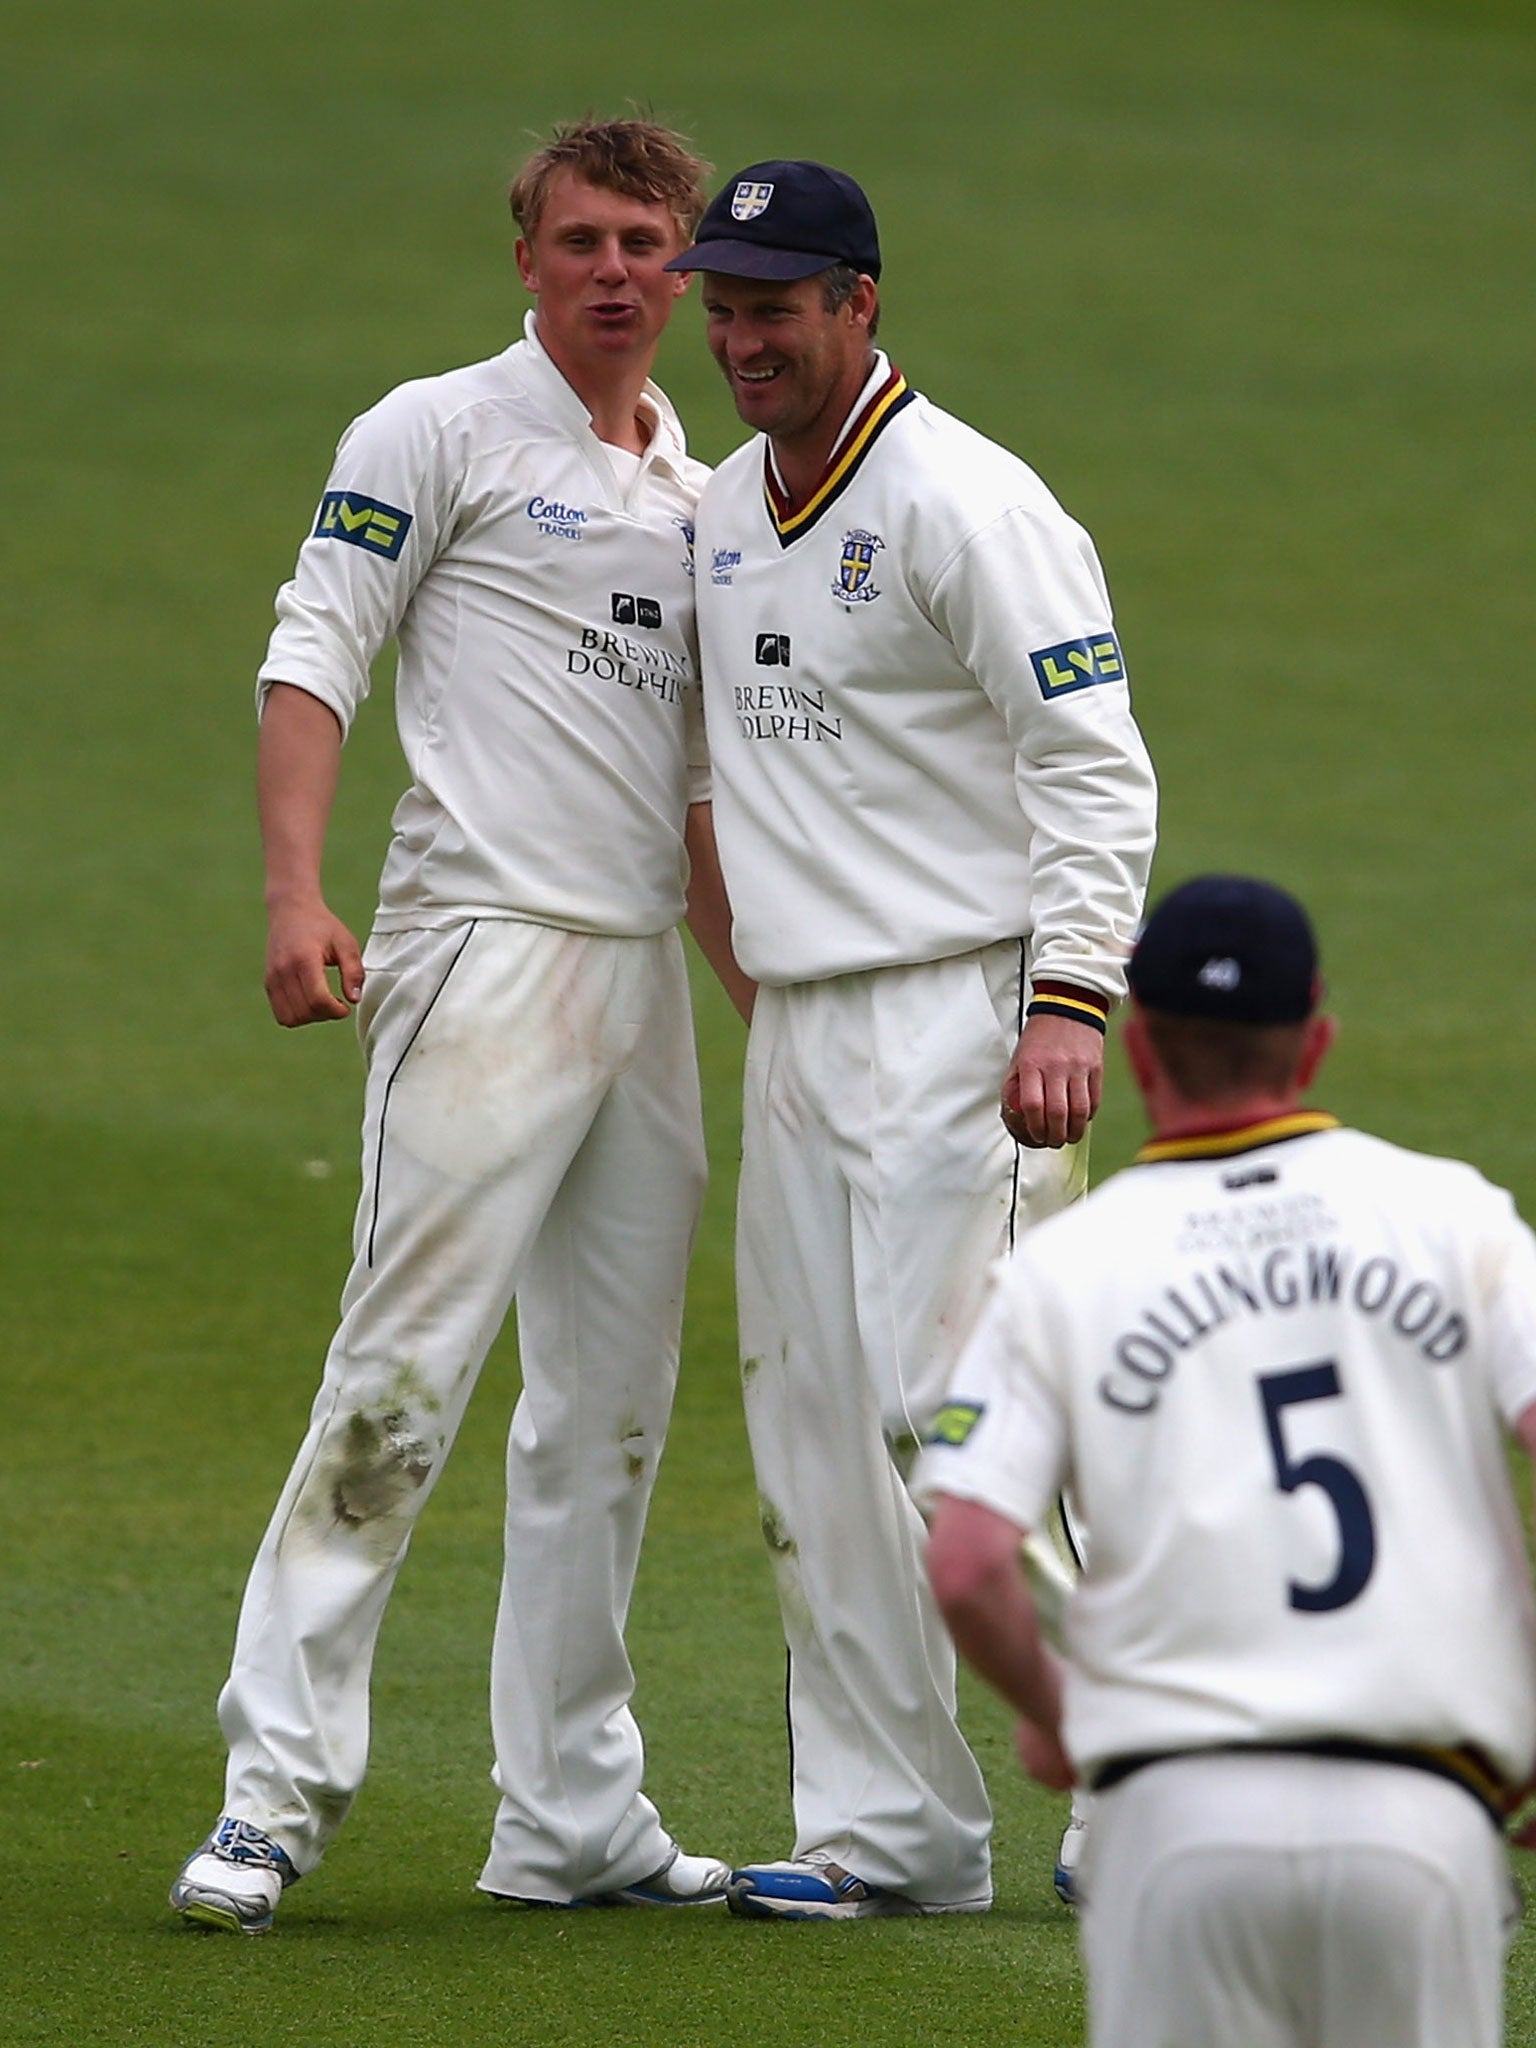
{"points": [[524, 528], [935, 819], [1276, 1361]]}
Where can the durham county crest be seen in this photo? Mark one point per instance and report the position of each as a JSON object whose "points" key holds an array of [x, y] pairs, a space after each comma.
{"points": [[749, 200], [855, 565]]}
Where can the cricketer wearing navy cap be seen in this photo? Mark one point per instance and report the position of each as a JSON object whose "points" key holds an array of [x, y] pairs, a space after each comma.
{"points": [[1278, 1363], [1225, 1029], [785, 219], [937, 816], [1230, 948]]}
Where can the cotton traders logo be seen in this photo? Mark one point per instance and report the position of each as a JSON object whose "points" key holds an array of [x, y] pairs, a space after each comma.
{"points": [[551, 516], [722, 562], [685, 528], [749, 200], [856, 565]]}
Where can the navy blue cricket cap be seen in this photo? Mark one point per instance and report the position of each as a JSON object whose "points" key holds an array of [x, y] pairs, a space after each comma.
{"points": [[785, 219], [1230, 948]]}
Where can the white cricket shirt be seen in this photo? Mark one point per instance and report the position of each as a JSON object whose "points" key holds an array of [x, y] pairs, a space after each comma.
{"points": [[1273, 1371], [919, 725], [547, 693]]}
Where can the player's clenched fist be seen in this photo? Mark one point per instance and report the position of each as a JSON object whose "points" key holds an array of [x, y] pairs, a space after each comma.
{"points": [[1051, 1091], [301, 945]]}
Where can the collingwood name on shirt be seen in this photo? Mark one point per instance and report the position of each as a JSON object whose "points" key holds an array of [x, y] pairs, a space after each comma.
{"points": [[1285, 1278]]}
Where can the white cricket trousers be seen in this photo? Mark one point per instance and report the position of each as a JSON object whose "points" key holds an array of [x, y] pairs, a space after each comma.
{"points": [[531, 1127], [1293, 1902], [877, 1185]]}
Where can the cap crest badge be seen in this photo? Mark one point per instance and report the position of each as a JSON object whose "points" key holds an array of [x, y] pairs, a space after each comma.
{"points": [[749, 200], [1220, 973]]}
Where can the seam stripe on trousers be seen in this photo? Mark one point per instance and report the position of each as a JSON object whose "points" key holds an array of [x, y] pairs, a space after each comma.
{"points": [[1018, 1032], [789, 1725], [378, 1159]]}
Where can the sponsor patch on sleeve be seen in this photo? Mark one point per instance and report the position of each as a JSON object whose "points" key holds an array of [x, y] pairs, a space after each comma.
{"points": [[955, 1421], [364, 522], [1078, 664]]}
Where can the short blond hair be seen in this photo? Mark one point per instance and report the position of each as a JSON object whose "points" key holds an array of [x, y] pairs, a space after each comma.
{"points": [[638, 158]]}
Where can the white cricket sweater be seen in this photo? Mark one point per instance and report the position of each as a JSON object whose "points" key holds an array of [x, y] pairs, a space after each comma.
{"points": [[547, 692], [920, 731]]}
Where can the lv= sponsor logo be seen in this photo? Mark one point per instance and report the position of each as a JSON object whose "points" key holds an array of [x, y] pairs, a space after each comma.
{"points": [[363, 523]]}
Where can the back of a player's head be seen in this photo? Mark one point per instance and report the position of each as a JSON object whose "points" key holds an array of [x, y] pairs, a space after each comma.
{"points": [[1226, 978], [638, 158]]}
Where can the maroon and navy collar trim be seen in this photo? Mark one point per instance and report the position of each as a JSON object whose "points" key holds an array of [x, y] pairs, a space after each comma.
{"points": [[789, 520]]}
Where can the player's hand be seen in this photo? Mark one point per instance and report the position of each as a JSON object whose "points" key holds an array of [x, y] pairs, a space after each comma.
{"points": [[303, 941], [1052, 1088], [1043, 1757]]}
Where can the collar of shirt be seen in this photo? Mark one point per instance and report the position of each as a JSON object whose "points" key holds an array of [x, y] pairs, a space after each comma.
{"points": [[529, 362], [1222, 1142], [877, 376]]}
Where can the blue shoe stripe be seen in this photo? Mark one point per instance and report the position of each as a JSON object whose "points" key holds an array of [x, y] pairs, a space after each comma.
{"points": [[800, 1887], [238, 1841], [786, 1884]]}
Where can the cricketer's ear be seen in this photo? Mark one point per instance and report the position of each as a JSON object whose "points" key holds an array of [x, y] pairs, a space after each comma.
{"points": [[1138, 1049], [1322, 1030]]}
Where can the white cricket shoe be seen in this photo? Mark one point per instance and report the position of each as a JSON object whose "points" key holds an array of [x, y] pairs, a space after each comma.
{"points": [[234, 1879], [813, 1887], [685, 1881], [1068, 1857]]}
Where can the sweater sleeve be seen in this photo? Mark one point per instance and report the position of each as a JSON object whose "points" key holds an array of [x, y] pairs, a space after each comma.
{"points": [[1024, 604], [386, 512]]}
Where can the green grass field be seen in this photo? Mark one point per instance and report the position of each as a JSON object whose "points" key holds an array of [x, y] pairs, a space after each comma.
{"points": [[1247, 280]]}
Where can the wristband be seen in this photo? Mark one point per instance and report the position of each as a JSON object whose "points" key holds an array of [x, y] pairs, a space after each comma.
{"points": [[1063, 999]]}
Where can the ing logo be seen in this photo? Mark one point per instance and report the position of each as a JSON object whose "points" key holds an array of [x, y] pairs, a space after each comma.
{"points": [[1077, 665], [363, 523], [954, 1423]]}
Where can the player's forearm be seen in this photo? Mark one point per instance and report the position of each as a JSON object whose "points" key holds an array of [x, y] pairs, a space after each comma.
{"points": [[997, 1632], [709, 910], [978, 1580], [298, 762], [1093, 812]]}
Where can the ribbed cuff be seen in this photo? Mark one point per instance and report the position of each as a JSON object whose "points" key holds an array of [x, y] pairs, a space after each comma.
{"points": [[1065, 999]]}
